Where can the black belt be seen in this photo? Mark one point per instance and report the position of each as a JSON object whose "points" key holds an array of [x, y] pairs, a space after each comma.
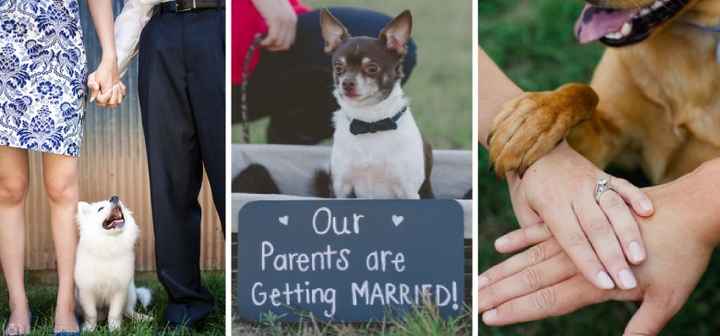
{"points": [[181, 6]]}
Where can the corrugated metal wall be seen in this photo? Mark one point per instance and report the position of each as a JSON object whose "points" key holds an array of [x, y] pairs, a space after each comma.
{"points": [[112, 162]]}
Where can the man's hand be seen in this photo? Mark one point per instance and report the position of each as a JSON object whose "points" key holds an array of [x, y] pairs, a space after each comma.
{"points": [[597, 235], [106, 89], [281, 21], [543, 280]]}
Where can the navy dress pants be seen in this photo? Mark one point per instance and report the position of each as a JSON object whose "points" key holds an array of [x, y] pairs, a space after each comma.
{"points": [[182, 97]]}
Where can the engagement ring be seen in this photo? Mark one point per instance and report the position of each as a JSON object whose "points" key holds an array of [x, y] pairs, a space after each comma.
{"points": [[601, 187]]}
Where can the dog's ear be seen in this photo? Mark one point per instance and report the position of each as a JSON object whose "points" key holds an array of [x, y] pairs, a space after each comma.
{"points": [[396, 34], [333, 32]]}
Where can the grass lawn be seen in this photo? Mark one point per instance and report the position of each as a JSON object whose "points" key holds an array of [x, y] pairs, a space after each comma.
{"points": [[42, 302], [532, 41], [440, 87], [424, 321]]}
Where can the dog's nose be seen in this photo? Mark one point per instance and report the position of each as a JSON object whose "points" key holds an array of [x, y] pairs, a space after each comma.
{"points": [[114, 200], [348, 85]]}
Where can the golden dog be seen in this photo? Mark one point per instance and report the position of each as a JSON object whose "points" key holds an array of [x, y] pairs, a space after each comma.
{"points": [[654, 100]]}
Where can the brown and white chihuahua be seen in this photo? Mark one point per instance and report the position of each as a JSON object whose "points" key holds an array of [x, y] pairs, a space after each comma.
{"points": [[378, 151]]}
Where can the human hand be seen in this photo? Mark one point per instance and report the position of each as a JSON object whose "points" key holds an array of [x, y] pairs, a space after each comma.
{"points": [[543, 281], [106, 89], [558, 190], [281, 21]]}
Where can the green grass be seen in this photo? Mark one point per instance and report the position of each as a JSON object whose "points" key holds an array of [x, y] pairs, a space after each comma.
{"points": [[421, 321], [440, 87], [532, 41], [42, 300]]}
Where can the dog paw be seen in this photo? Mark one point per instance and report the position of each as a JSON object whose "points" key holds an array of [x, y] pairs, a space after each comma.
{"points": [[89, 327], [114, 325], [530, 126], [143, 317]]}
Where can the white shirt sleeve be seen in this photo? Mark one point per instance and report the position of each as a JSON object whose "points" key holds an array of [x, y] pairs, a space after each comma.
{"points": [[128, 27]]}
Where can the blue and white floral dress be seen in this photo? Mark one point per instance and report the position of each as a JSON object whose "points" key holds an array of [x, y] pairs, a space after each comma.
{"points": [[42, 75]]}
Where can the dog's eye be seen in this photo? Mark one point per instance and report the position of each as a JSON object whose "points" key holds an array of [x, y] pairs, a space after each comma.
{"points": [[339, 69], [101, 209], [372, 69]]}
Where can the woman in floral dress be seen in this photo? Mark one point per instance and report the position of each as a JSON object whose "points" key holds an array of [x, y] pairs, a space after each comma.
{"points": [[42, 99]]}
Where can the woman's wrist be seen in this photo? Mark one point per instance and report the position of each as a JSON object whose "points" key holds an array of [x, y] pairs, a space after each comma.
{"points": [[494, 90], [563, 149], [562, 152], [706, 180], [109, 56]]}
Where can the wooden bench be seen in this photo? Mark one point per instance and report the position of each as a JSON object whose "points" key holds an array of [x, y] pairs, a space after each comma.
{"points": [[292, 168]]}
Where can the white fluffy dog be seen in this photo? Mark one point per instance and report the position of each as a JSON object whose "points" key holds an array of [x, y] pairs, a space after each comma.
{"points": [[105, 264]]}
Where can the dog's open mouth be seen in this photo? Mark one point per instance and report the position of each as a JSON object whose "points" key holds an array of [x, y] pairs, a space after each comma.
{"points": [[115, 220], [623, 27]]}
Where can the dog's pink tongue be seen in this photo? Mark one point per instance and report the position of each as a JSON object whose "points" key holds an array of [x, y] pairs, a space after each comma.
{"points": [[594, 22]]}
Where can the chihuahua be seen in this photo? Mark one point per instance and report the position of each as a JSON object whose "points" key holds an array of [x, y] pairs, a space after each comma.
{"points": [[378, 151]]}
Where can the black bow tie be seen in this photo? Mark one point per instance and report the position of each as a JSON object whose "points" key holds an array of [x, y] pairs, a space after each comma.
{"points": [[387, 124]]}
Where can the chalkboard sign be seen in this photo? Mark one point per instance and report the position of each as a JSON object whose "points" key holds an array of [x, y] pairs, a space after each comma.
{"points": [[349, 260]]}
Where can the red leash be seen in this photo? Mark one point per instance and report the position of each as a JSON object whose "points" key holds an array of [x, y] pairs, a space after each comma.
{"points": [[243, 87]]}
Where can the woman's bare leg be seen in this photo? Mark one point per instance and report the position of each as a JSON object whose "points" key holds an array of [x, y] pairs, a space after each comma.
{"points": [[13, 188], [61, 183]]}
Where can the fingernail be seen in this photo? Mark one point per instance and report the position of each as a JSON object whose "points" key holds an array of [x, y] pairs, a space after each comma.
{"points": [[490, 316], [636, 252], [483, 281], [627, 279], [646, 206], [502, 241], [604, 281]]}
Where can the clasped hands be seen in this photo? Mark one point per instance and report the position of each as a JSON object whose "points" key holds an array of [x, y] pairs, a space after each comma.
{"points": [[577, 248], [106, 89]]}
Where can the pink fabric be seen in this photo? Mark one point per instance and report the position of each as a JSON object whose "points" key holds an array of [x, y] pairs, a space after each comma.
{"points": [[246, 23]]}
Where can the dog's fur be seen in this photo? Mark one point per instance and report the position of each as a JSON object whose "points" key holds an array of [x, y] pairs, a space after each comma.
{"points": [[255, 179], [653, 104], [105, 264], [367, 74]]}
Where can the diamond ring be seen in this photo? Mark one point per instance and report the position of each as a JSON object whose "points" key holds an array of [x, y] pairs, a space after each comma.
{"points": [[601, 187]]}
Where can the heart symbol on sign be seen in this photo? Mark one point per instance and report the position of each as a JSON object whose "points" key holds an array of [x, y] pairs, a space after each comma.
{"points": [[284, 220], [397, 220]]}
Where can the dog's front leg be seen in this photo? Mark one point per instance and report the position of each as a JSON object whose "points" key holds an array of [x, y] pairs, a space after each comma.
{"points": [[117, 307], [405, 189], [89, 308], [342, 189], [404, 192]]}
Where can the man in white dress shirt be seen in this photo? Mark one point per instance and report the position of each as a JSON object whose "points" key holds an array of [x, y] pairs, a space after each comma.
{"points": [[181, 48]]}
